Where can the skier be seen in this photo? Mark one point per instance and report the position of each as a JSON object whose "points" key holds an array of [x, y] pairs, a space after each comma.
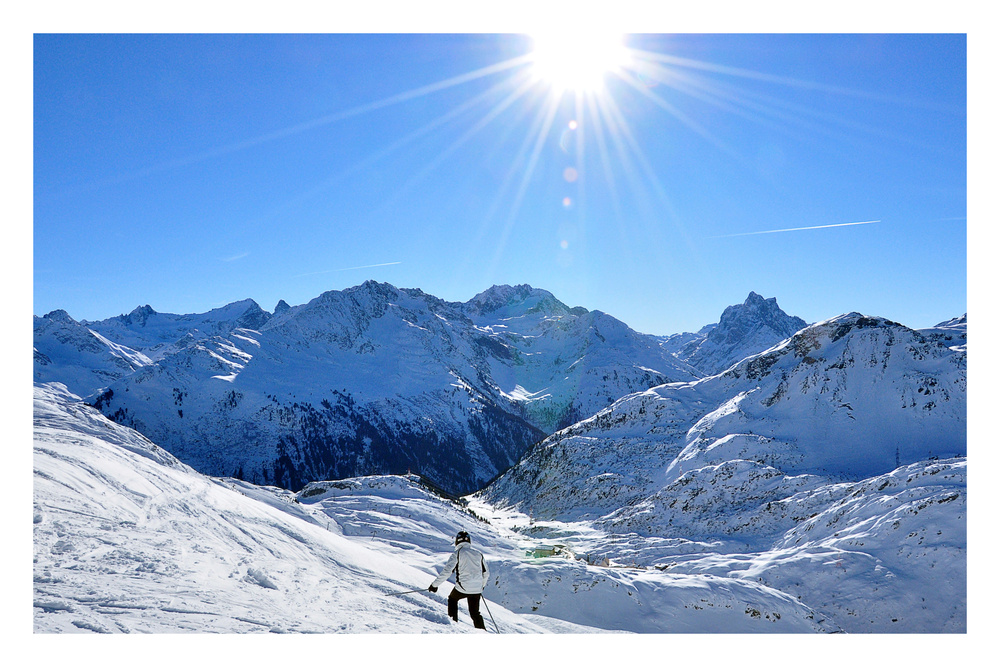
{"points": [[471, 575]]}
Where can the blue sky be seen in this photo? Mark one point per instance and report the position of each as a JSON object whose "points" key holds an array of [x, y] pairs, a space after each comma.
{"points": [[190, 171]]}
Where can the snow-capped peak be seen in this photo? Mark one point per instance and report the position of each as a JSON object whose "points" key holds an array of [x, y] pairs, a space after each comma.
{"points": [[59, 315], [743, 329], [504, 301], [139, 316]]}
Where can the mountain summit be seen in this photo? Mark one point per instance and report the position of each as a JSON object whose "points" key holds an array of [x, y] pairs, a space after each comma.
{"points": [[743, 329], [504, 300]]}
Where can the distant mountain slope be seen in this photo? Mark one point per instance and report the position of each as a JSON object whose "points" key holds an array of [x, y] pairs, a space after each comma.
{"points": [[563, 364], [952, 333], [89, 356], [69, 352], [845, 399], [156, 333], [376, 379]]}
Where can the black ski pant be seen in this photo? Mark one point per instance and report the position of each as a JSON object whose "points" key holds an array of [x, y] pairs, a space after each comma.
{"points": [[473, 598]]}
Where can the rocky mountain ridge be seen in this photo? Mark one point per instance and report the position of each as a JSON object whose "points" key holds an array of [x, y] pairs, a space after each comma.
{"points": [[372, 379]]}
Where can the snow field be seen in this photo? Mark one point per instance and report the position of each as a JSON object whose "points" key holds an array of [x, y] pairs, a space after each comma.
{"points": [[127, 540]]}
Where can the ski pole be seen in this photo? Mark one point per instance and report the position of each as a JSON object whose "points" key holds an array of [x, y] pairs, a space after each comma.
{"points": [[483, 597], [415, 590]]}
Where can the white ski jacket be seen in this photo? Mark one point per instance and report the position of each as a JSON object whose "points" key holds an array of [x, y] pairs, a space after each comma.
{"points": [[470, 568]]}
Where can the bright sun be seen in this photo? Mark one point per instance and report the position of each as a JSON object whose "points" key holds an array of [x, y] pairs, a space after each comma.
{"points": [[577, 60]]}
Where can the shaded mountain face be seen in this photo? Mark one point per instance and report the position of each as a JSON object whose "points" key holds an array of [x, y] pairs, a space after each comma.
{"points": [[743, 330], [373, 380], [842, 400]]}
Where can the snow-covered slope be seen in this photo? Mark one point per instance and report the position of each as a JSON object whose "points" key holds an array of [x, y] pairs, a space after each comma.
{"points": [[159, 334], [88, 356], [847, 399], [952, 333], [842, 447], [376, 379], [563, 364], [84, 360], [743, 330], [129, 540]]}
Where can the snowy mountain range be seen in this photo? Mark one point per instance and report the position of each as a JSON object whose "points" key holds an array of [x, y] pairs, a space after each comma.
{"points": [[372, 379], [88, 356], [850, 436], [815, 485], [840, 401]]}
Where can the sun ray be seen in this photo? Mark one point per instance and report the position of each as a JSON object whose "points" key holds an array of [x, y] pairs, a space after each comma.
{"points": [[597, 127], [632, 178], [767, 110], [801, 84], [547, 116], [532, 136], [292, 130], [433, 164], [756, 107], [679, 115], [622, 140], [597, 123], [362, 109], [581, 147], [382, 153], [750, 74], [622, 128]]}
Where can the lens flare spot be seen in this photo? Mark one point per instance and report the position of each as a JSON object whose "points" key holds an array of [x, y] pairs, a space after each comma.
{"points": [[570, 174], [567, 202]]}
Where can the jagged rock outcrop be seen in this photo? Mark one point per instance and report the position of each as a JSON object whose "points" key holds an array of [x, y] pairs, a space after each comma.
{"points": [[743, 330]]}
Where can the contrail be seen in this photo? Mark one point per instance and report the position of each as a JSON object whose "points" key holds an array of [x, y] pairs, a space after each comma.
{"points": [[351, 268], [796, 229]]}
